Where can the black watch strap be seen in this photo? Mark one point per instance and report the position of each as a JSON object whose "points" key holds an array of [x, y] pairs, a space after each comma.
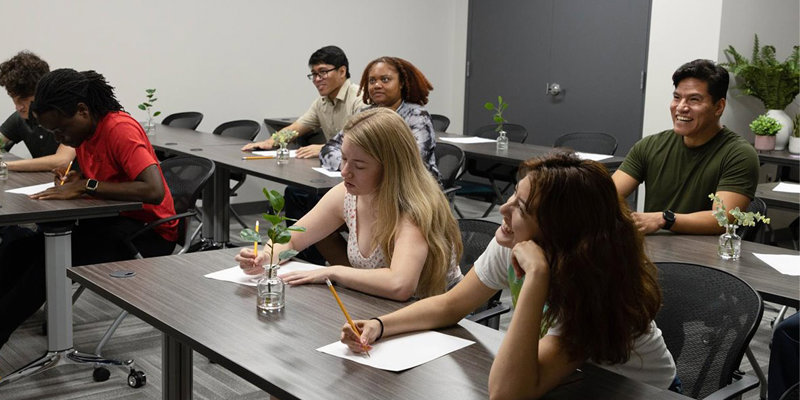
{"points": [[669, 218]]}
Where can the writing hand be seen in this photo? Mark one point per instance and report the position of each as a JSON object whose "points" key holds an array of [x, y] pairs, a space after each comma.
{"points": [[249, 263], [370, 329]]}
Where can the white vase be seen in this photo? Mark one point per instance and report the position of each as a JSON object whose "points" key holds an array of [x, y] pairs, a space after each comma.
{"points": [[782, 138], [794, 145]]}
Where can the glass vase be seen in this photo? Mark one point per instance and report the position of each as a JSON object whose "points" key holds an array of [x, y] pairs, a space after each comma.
{"points": [[502, 141], [283, 154], [730, 244], [150, 127], [271, 290]]}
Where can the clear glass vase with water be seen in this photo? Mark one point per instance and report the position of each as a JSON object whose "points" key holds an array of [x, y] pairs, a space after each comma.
{"points": [[271, 291]]}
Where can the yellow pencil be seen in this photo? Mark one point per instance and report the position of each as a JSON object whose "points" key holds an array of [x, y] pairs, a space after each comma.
{"points": [[344, 310], [255, 243], [257, 157], [63, 177]]}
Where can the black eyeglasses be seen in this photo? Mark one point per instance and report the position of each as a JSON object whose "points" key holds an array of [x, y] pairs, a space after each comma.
{"points": [[321, 74]]}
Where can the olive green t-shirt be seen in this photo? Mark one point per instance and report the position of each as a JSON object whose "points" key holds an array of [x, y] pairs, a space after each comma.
{"points": [[680, 179]]}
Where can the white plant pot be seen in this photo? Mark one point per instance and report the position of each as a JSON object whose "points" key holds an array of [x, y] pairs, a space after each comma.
{"points": [[794, 145], [782, 138]]}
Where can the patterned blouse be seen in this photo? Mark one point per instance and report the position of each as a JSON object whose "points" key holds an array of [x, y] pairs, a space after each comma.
{"points": [[417, 118]]}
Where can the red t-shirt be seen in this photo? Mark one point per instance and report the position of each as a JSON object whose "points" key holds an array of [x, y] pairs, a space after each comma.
{"points": [[118, 152]]}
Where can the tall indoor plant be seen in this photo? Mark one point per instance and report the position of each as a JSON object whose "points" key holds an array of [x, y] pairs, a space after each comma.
{"points": [[775, 83], [794, 140]]}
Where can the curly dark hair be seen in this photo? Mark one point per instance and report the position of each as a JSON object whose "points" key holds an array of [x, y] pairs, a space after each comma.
{"points": [[64, 88], [707, 71], [19, 74], [414, 85], [604, 291]]}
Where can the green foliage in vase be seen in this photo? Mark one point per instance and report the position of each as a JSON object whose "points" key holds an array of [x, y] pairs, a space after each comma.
{"points": [[776, 84], [764, 125], [498, 112], [796, 130], [740, 218], [148, 104], [278, 232], [284, 136]]}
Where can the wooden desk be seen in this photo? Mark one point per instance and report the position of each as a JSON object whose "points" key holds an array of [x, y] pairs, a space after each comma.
{"points": [[277, 352], [56, 218], [771, 284], [785, 200]]}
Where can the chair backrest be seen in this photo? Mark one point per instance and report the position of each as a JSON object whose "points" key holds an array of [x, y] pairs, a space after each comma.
{"points": [[751, 233], [475, 235], [589, 142], [188, 120], [707, 319], [186, 177], [242, 128], [449, 161], [515, 132], [440, 122]]}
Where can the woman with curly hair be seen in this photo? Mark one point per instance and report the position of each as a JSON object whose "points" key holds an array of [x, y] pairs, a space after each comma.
{"points": [[403, 239], [397, 84], [583, 288]]}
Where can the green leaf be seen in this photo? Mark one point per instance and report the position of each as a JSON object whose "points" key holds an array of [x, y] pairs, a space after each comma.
{"points": [[157, 113], [250, 235], [283, 237], [142, 107], [295, 228], [146, 104], [498, 119], [273, 219], [286, 254], [275, 200], [150, 91], [499, 99], [152, 99], [489, 106]]}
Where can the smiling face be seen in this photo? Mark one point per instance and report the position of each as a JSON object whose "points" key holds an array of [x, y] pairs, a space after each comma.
{"points": [[518, 225], [22, 105], [328, 83], [70, 131], [361, 173], [695, 115], [383, 85]]}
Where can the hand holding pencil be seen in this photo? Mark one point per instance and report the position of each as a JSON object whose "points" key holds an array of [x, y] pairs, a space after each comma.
{"points": [[364, 347]]}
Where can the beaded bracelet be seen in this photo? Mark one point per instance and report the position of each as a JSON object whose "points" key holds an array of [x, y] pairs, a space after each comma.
{"points": [[380, 335]]}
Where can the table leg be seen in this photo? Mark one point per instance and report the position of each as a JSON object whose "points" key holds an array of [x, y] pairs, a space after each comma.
{"points": [[176, 369]]}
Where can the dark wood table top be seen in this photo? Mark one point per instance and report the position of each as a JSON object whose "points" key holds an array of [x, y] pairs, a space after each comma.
{"points": [[20, 209], [516, 153], [771, 284], [778, 199], [779, 157], [167, 137], [277, 352]]}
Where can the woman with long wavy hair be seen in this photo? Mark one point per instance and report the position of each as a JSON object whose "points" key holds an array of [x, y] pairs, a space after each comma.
{"points": [[583, 288], [403, 239]]}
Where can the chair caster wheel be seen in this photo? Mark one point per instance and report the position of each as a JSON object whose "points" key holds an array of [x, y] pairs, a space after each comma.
{"points": [[136, 379], [101, 374]]}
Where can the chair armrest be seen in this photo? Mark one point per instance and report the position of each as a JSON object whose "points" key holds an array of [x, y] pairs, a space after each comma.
{"points": [[484, 315], [735, 389], [158, 222]]}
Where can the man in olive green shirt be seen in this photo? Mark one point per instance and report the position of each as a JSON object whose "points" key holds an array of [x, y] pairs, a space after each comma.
{"points": [[339, 99], [680, 167]]}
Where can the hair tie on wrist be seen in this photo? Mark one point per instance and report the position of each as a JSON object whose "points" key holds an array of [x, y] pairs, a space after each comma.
{"points": [[380, 335]]}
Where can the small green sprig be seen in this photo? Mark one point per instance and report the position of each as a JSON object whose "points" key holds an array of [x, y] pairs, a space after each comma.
{"points": [[498, 112], [740, 217], [148, 104], [278, 232], [284, 136], [764, 125]]}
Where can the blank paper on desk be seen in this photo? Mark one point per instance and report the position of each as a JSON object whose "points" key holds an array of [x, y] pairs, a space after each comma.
{"points": [[236, 275], [399, 353]]}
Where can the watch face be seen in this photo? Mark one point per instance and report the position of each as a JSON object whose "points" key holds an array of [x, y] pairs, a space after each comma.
{"points": [[91, 185]]}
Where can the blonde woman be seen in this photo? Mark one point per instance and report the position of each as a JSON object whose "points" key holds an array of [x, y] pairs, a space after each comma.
{"points": [[403, 239]]}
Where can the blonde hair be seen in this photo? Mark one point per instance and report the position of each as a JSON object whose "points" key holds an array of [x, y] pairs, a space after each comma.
{"points": [[407, 189]]}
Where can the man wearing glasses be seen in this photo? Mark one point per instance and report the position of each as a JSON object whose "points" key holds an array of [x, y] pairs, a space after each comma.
{"points": [[330, 74]]}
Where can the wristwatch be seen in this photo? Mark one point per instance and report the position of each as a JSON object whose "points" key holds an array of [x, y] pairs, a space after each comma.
{"points": [[669, 219], [91, 185]]}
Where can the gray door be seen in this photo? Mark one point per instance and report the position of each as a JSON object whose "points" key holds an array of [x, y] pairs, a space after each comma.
{"points": [[595, 50]]}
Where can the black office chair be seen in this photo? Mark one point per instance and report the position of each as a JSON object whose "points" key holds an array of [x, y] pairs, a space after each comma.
{"points": [[243, 129], [707, 319], [440, 122], [188, 120], [186, 177], [589, 142], [476, 235], [493, 171], [450, 162]]}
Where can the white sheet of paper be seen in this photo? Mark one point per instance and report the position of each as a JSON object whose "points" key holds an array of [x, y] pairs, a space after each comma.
{"points": [[786, 264], [399, 353], [332, 174], [273, 153], [467, 140], [29, 190], [236, 275], [592, 156], [787, 187]]}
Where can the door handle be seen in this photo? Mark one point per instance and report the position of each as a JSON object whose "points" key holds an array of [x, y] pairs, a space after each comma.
{"points": [[552, 89]]}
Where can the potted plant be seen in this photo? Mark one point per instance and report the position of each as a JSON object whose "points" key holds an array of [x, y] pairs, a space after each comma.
{"points": [[502, 139], [730, 244], [763, 77], [765, 128], [270, 288], [282, 138], [794, 140], [150, 126]]}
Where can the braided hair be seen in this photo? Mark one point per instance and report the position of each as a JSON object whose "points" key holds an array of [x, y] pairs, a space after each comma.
{"points": [[64, 88]]}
